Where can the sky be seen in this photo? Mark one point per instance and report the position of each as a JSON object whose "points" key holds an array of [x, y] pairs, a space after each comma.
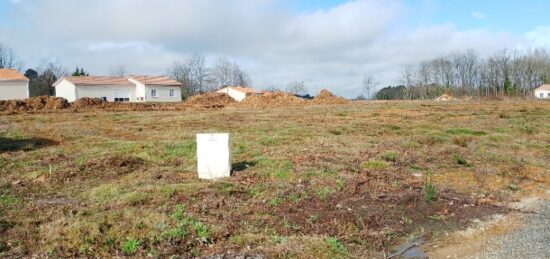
{"points": [[327, 44]]}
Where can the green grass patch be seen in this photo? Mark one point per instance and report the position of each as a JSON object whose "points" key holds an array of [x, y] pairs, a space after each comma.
{"points": [[464, 131], [376, 164], [8, 200]]}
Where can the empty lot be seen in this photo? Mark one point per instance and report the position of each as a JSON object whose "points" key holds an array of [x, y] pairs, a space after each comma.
{"points": [[313, 181]]}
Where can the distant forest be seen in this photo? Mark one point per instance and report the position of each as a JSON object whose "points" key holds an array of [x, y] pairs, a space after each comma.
{"points": [[504, 73]]}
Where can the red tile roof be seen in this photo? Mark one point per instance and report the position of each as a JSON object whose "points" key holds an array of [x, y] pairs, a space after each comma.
{"points": [[156, 80], [11, 75], [543, 87], [97, 80], [108, 80]]}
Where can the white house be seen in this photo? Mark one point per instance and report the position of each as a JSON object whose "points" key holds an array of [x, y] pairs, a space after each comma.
{"points": [[542, 92], [119, 89], [239, 93], [13, 85]]}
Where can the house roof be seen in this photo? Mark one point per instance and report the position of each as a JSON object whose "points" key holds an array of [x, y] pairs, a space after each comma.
{"points": [[243, 89], [544, 87], [11, 75], [96, 80], [156, 80], [123, 81]]}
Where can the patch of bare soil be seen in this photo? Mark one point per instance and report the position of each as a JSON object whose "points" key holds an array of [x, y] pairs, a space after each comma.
{"points": [[120, 164], [210, 100], [326, 97], [37, 104], [275, 99], [368, 212]]}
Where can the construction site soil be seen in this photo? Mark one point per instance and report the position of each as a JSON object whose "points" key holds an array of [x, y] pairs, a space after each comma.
{"points": [[203, 101]]}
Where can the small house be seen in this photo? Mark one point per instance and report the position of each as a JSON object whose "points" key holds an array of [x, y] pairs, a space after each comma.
{"points": [[239, 93], [542, 92], [119, 89], [13, 85]]}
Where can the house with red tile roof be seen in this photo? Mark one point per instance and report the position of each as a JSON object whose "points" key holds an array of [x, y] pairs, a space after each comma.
{"points": [[135, 88], [13, 85]]}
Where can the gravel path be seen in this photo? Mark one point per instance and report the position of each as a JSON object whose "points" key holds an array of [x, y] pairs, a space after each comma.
{"points": [[530, 241]]}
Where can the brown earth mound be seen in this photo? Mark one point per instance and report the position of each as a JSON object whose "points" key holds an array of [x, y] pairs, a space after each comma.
{"points": [[445, 97], [87, 102], [277, 99], [326, 97], [210, 100], [37, 104]]}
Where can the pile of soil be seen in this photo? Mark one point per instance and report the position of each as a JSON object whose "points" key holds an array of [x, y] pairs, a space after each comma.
{"points": [[37, 104], [445, 97], [87, 102], [211, 100], [276, 99], [326, 97], [94, 104]]}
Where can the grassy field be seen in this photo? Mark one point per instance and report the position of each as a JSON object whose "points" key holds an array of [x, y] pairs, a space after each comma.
{"points": [[317, 182]]}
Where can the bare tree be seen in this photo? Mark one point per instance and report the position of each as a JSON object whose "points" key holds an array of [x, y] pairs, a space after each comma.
{"points": [[49, 72], [297, 88], [118, 71], [8, 58], [369, 83], [222, 72]]}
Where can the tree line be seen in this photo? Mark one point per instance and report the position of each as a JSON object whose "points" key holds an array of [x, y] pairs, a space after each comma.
{"points": [[504, 73], [197, 77]]}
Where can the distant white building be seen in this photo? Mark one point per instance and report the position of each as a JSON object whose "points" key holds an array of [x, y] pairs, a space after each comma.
{"points": [[239, 93], [119, 89], [13, 85], [542, 92]]}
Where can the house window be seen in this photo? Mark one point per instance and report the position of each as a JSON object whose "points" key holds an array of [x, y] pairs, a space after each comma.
{"points": [[104, 98], [541, 95], [154, 93], [172, 93], [122, 99], [548, 95]]}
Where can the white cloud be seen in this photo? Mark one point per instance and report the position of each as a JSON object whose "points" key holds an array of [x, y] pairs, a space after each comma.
{"points": [[478, 15], [276, 44]]}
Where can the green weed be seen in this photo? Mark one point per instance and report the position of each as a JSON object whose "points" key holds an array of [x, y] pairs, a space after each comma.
{"points": [[429, 188], [130, 246], [336, 247]]}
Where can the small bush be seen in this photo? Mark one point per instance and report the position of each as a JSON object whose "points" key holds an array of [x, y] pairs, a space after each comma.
{"points": [[130, 246]]}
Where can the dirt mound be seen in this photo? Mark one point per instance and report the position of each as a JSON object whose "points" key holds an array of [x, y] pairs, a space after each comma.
{"points": [[37, 104], [326, 97], [87, 102], [445, 97], [210, 100], [276, 99]]}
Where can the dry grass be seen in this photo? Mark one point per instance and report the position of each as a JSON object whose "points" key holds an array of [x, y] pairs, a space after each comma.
{"points": [[321, 181]]}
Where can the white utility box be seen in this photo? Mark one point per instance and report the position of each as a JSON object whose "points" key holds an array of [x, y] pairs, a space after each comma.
{"points": [[214, 155]]}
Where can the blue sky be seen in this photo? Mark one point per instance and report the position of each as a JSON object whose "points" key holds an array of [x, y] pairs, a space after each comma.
{"points": [[326, 43]]}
